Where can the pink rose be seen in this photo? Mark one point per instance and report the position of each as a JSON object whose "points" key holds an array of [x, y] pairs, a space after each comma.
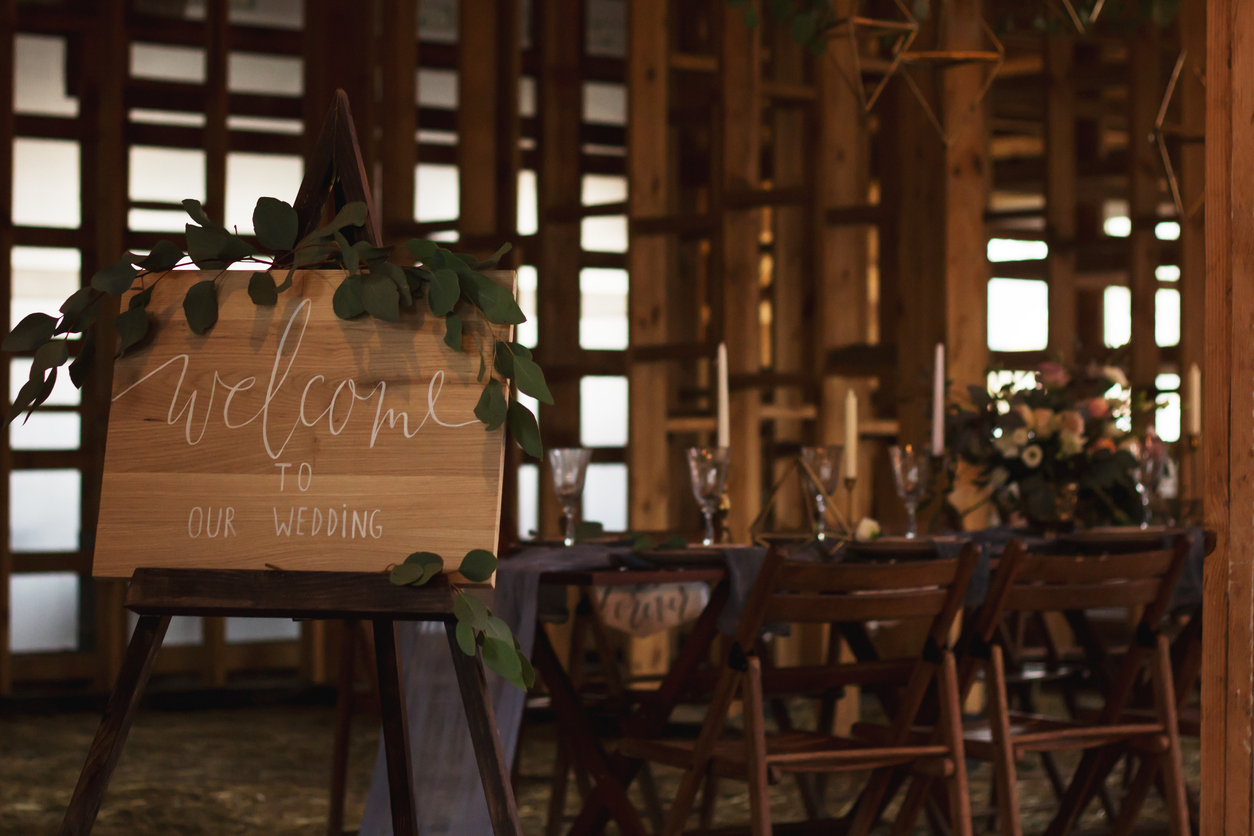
{"points": [[1053, 374], [1102, 444], [1072, 422], [1099, 408]]}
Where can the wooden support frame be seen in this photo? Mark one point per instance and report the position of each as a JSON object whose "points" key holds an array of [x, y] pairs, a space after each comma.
{"points": [[8, 49]]}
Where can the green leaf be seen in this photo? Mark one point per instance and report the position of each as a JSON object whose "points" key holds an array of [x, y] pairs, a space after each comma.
{"points": [[276, 224], [116, 279], [530, 380], [520, 350], [308, 255], [262, 290], [430, 563], [523, 427], [142, 298], [641, 543], [352, 262], [674, 542], [206, 245], [353, 214], [491, 261], [453, 331], [483, 367], [496, 302], [78, 313], [491, 407], [422, 249], [164, 256], [197, 214], [381, 298], [405, 574], [443, 291], [235, 249], [33, 393], [201, 306], [81, 365], [131, 325], [498, 629], [528, 673], [396, 276], [478, 565], [501, 657], [466, 638], [33, 331], [471, 610], [48, 356], [347, 301], [503, 359]]}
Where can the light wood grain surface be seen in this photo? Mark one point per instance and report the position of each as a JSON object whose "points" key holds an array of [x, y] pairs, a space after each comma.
{"points": [[288, 437]]}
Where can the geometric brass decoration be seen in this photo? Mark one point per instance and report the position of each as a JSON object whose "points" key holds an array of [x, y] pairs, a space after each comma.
{"points": [[1161, 129], [857, 29]]}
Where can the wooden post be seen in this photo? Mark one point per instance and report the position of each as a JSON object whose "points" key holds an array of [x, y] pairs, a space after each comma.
{"points": [[1192, 171], [1228, 430], [8, 37], [559, 190], [737, 139], [1060, 197], [648, 79], [398, 149], [1144, 95], [476, 121]]}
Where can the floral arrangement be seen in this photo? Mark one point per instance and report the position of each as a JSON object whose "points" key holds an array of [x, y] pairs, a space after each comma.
{"points": [[1059, 452]]}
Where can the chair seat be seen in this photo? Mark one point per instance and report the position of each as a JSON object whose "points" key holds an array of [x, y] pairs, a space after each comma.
{"points": [[1035, 733], [795, 751]]}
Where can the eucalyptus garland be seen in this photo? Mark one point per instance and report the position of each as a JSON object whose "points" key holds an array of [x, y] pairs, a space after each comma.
{"points": [[454, 284]]}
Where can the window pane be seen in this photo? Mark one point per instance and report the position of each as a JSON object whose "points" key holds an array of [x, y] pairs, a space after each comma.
{"points": [[44, 510], [604, 234], [437, 88], [1012, 249], [43, 612], [250, 176], [1167, 231], [169, 175], [46, 431], [1117, 316], [1167, 273], [603, 411], [436, 193], [45, 183], [604, 103], [42, 279], [605, 496], [157, 220], [184, 630], [607, 28], [603, 188], [437, 21], [39, 77], [1167, 316], [527, 332], [528, 501], [274, 75], [603, 308], [168, 63], [1018, 315], [528, 212], [1167, 418], [63, 392]]}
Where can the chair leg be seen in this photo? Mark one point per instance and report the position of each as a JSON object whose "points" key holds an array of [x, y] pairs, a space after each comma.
{"points": [[911, 806], [343, 725], [1172, 760], [1134, 799], [557, 790], [755, 740], [1005, 772], [951, 726], [652, 804], [709, 800], [694, 775], [395, 729]]}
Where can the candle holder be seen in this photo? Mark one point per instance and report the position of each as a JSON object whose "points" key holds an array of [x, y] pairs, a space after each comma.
{"points": [[850, 482], [1195, 512]]}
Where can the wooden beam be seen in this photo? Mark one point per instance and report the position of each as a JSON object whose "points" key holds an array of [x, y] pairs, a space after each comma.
{"points": [[8, 38], [476, 120], [398, 154], [1144, 94], [648, 262], [1192, 172], [1060, 198]]}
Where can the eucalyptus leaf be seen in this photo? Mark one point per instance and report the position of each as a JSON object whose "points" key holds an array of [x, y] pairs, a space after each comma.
{"points": [[78, 313], [471, 610], [501, 658], [430, 563], [523, 427], [396, 276], [131, 326], [478, 565], [197, 213], [530, 380], [142, 298], [519, 349], [491, 409], [353, 214], [498, 629], [262, 290], [491, 261], [201, 306], [422, 249], [453, 331], [527, 673], [48, 356], [443, 291], [381, 298], [405, 574], [275, 223], [33, 331], [33, 393], [466, 638], [347, 301], [115, 279], [164, 256], [81, 364], [352, 261], [503, 360]]}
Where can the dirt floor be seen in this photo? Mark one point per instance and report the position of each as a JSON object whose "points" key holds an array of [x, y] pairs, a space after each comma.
{"points": [[264, 769]]}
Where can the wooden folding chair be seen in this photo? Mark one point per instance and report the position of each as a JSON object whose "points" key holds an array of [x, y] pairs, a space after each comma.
{"points": [[802, 592], [1055, 583]]}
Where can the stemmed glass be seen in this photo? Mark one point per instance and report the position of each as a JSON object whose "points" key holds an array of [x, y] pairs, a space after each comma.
{"points": [[824, 463], [707, 467], [569, 466], [910, 473], [1151, 462]]}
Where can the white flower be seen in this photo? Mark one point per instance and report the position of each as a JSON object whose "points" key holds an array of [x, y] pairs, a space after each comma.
{"points": [[998, 477], [867, 530], [1020, 436], [1032, 455], [1115, 375], [1072, 442]]}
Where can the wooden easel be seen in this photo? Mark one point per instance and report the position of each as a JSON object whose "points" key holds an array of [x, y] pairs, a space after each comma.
{"points": [[335, 170], [157, 594]]}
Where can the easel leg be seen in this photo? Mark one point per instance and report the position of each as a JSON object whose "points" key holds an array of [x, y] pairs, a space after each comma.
{"points": [[492, 769], [395, 729], [343, 724], [106, 748]]}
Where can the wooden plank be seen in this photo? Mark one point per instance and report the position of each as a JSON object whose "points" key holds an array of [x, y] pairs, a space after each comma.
{"points": [[398, 153], [1144, 94], [1226, 671], [1192, 172], [648, 261], [737, 139], [8, 37], [1060, 198], [334, 489], [476, 120]]}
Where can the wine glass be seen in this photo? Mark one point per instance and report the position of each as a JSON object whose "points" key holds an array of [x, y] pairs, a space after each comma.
{"points": [[823, 462], [707, 467], [569, 466], [910, 473], [1151, 456]]}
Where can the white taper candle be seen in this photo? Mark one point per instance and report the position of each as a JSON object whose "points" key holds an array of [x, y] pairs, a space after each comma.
{"points": [[724, 417], [938, 402], [1195, 400], [851, 435]]}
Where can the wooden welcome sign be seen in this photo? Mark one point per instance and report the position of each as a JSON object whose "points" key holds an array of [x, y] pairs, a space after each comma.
{"points": [[290, 438]]}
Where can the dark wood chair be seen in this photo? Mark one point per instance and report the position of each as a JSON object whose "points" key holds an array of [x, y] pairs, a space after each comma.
{"points": [[804, 592]]}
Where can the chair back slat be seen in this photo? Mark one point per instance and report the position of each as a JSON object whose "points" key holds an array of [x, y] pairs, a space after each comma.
{"points": [[872, 606], [1058, 597], [796, 576], [1064, 569]]}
